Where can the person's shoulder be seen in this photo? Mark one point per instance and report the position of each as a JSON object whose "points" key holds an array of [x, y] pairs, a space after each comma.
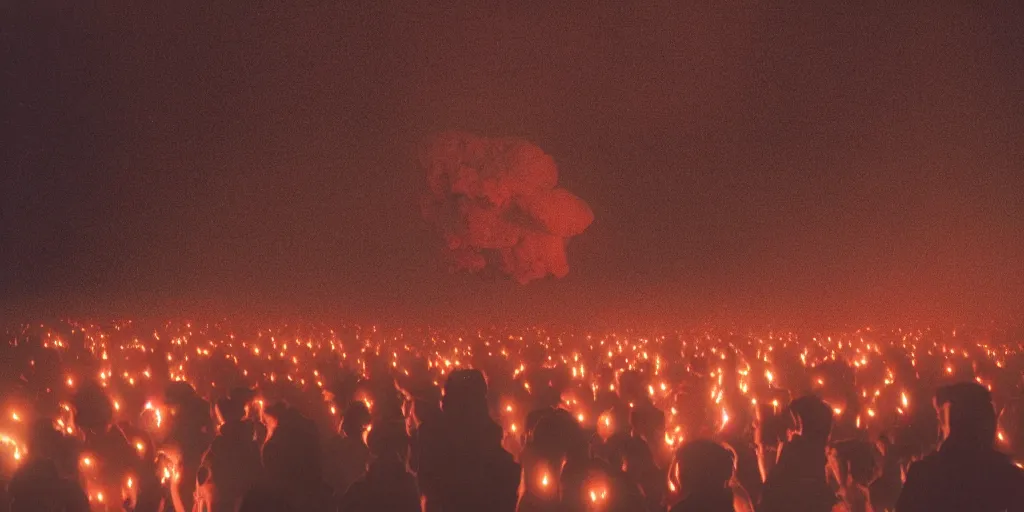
{"points": [[924, 467], [355, 495], [1011, 471], [74, 492]]}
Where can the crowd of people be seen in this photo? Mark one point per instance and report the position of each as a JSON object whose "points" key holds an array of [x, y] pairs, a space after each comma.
{"points": [[396, 439]]}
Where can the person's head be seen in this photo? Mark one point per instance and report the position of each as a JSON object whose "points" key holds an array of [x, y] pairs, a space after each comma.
{"points": [[388, 441], [273, 415], [181, 398], [814, 417], [422, 411], [637, 456], [643, 423], [630, 385], [966, 414], [44, 442], [230, 410], [702, 466], [355, 419], [884, 444], [93, 409], [178, 393], [556, 434], [465, 392], [853, 462], [771, 424], [242, 394], [291, 452]]}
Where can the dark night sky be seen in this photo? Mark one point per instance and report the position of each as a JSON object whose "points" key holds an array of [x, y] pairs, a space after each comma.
{"points": [[746, 160]]}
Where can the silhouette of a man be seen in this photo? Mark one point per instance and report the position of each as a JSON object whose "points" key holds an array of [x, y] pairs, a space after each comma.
{"points": [[701, 472], [966, 473], [797, 482]]}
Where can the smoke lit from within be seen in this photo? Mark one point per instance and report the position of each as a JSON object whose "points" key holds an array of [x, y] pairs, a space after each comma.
{"points": [[496, 204]]}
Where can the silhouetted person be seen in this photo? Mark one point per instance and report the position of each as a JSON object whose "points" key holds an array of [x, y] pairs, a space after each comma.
{"points": [[605, 488], [797, 483], [421, 410], [885, 490], [231, 465], [346, 455], [104, 441], [637, 463], [190, 431], [549, 435], [463, 467], [291, 460], [37, 486], [247, 397], [966, 473], [701, 473], [852, 463], [770, 426], [645, 420], [387, 484], [558, 441]]}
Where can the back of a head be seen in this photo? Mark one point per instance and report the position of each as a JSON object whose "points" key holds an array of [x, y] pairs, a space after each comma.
{"points": [[388, 440], [815, 417], [637, 455], [230, 410], [355, 418], [629, 385], [556, 434], [291, 453], [242, 394], [273, 415], [465, 392], [856, 459], [43, 440], [967, 413], [703, 465], [178, 393], [425, 411], [92, 407]]}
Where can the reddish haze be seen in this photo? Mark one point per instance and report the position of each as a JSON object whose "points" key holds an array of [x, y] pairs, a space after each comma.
{"points": [[743, 160]]}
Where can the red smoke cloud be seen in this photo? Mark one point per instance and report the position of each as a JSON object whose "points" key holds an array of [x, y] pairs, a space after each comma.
{"points": [[496, 203]]}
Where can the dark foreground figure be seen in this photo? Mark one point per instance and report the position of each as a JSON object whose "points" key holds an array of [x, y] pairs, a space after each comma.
{"points": [[966, 473]]}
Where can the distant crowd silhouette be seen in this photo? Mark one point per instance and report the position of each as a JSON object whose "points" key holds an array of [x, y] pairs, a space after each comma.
{"points": [[422, 447]]}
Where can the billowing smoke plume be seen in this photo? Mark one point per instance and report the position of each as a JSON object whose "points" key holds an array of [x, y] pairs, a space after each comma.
{"points": [[496, 203]]}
